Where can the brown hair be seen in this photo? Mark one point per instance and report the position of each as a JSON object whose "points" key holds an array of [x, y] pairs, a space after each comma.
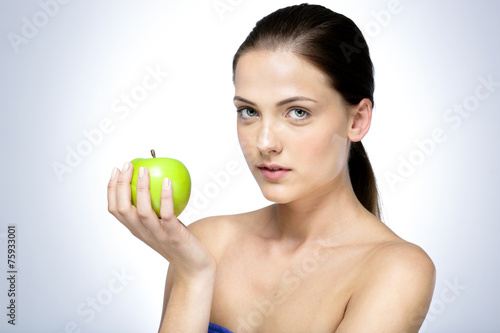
{"points": [[334, 44]]}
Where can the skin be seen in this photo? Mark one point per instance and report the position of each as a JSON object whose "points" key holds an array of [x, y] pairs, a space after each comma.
{"points": [[316, 260]]}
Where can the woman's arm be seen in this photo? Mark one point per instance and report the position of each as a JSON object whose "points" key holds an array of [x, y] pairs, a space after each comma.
{"points": [[169, 282], [192, 273], [187, 304], [394, 294], [193, 301]]}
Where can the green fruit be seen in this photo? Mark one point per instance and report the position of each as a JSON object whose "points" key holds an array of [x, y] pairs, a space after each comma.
{"points": [[159, 168]]}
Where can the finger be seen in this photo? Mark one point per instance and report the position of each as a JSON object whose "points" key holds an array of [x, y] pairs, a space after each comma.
{"points": [[112, 191], [123, 190], [144, 208], [150, 222], [167, 201]]}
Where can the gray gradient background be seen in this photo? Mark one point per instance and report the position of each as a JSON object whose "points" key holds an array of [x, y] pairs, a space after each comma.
{"points": [[67, 77]]}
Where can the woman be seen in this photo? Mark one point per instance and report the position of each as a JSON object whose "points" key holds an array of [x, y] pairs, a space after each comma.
{"points": [[319, 259]]}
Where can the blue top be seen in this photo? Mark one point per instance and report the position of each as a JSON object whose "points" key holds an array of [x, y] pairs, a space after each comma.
{"points": [[214, 328]]}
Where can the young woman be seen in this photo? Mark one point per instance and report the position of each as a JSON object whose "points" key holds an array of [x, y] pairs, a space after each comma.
{"points": [[319, 259]]}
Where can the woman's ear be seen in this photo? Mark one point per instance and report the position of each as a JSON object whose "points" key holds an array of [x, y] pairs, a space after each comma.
{"points": [[360, 118]]}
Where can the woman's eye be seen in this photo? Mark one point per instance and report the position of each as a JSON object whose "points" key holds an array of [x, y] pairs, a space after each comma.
{"points": [[298, 114], [247, 112]]}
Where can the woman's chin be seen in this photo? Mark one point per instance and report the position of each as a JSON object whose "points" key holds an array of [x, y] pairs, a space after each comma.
{"points": [[276, 196]]}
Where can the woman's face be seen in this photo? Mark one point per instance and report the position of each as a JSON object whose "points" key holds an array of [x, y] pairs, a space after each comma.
{"points": [[292, 126]]}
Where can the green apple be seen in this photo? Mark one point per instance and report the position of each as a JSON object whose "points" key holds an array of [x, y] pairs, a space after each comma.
{"points": [[159, 168]]}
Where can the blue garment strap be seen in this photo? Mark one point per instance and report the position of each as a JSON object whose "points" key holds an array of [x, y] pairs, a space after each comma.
{"points": [[214, 328]]}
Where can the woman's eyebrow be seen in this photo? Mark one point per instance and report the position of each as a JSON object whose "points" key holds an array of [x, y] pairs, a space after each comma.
{"points": [[280, 103], [241, 99]]}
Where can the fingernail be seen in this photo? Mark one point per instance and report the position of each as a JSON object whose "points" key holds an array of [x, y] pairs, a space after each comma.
{"points": [[125, 166], [114, 173], [142, 171], [166, 183]]}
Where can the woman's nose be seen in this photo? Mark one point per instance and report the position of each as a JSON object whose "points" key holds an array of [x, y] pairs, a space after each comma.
{"points": [[268, 141]]}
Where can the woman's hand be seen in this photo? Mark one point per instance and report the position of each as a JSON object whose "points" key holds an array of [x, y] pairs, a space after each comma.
{"points": [[167, 236]]}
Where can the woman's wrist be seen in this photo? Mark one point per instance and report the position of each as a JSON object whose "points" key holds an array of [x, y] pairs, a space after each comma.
{"points": [[200, 279]]}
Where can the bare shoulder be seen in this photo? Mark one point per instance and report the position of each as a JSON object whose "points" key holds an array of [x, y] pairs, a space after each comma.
{"points": [[394, 261], [398, 278], [216, 232], [213, 232], [389, 254], [226, 223], [401, 258], [211, 226]]}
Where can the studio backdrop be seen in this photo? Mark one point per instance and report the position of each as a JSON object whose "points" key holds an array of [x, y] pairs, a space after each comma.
{"points": [[88, 85]]}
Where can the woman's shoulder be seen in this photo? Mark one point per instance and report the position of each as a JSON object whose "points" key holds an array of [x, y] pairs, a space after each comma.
{"points": [[388, 260], [398, 264], [402, 258], [231, 220], [216, 232], [222, 223], [391, 254], [397, 277]]}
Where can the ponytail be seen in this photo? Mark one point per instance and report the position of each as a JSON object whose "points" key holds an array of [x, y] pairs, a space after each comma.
{"points": [[362, 178]]}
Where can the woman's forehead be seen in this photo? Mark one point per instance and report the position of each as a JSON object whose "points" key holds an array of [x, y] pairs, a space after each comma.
{"points": [[281, 74], [276, 67]]}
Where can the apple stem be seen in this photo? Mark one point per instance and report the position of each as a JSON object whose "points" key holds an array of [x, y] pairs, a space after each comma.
{"points": [[153, 153]]}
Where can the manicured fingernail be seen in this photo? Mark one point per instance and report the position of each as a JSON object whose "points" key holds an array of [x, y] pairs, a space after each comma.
{"points": [[125, 166], [166, 183], [142, 171], [114, 173]]}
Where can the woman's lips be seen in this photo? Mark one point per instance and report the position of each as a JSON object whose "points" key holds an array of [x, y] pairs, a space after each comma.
{"points": [[273, 171]]}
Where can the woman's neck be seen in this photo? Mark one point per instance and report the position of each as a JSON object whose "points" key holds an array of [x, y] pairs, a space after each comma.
{"points": [[330, 213]]}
